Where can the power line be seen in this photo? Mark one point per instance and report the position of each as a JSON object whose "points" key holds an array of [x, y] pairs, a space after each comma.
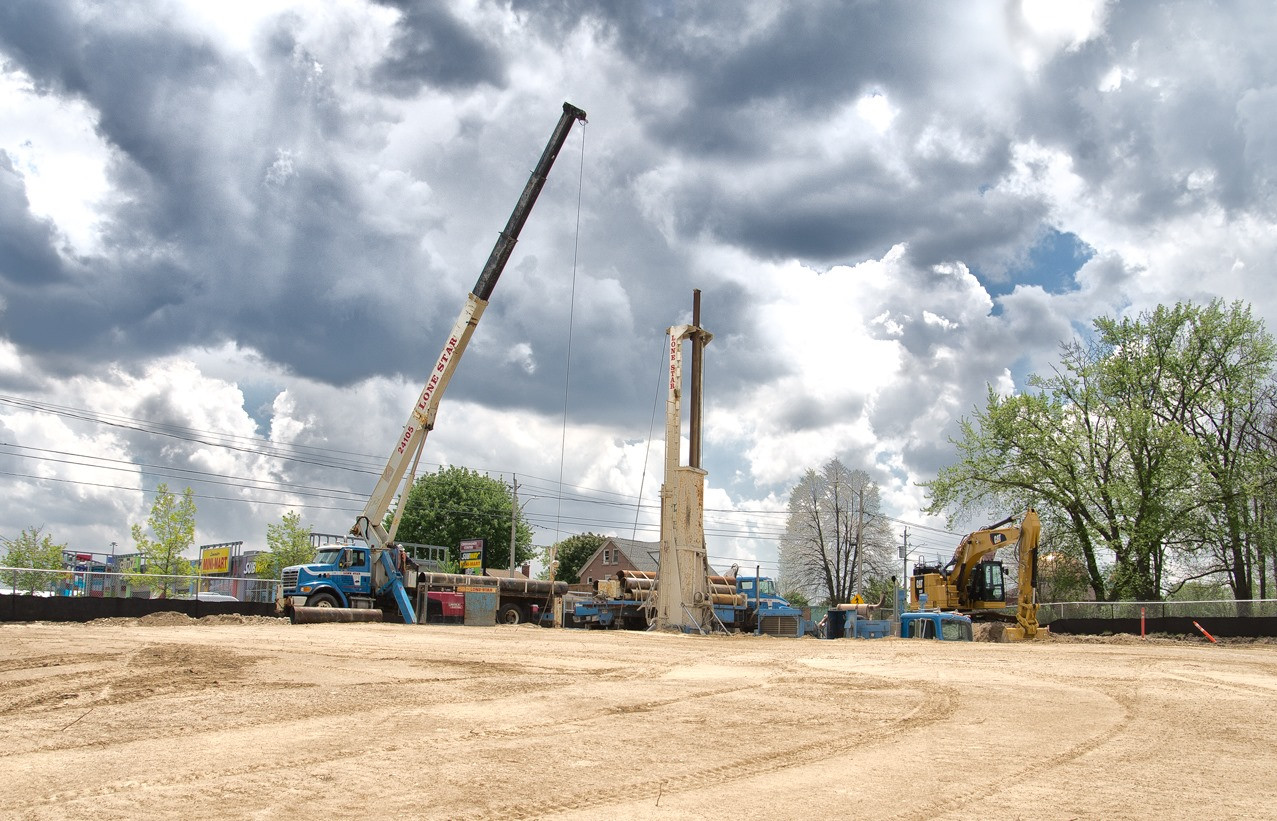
{"points": [[730, 519], [188, 474]]}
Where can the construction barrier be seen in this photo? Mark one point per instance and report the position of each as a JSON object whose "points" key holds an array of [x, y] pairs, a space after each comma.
{"points": [[88, 608], [1220, 626]]}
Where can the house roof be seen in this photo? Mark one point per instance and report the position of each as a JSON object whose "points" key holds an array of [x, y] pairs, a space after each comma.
{"points": [[645, 556]]}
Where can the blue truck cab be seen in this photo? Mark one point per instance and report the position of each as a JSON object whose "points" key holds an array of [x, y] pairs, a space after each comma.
{"points": [[933, 624], [340, 576]]}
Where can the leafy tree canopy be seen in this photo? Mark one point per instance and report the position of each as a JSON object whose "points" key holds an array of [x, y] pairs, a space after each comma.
{"points": [[289, 543], [35, 550], [796, 597], [172, 521], [571, 554], [1145, 451], [456, 503]]}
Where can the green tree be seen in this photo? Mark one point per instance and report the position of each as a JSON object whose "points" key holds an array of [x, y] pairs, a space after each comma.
{"points": [[1141, 444], [796, 597], [1207, 371], [835, 539], [172, 520], [571, 554], [38, 551], [1263, 504], [289, 543], [456, 503]]}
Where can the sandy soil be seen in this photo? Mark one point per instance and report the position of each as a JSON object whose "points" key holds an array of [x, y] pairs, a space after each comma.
{"points": [[234, 717]]}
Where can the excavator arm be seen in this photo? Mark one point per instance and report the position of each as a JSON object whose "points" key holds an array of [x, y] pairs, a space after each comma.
{"points": [[1026, 615]]}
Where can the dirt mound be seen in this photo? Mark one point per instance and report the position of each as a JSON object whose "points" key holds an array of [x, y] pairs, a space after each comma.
{"points": [[989, 631], [236, 618], [165, 618]]}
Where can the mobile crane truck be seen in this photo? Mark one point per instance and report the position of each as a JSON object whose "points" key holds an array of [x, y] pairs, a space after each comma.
{"points": [[352, 581]]}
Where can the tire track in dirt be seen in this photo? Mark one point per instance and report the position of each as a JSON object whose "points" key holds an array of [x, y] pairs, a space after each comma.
{"points": [[300, 759], [384, 717], [142, 674], [47, 662], [933, 705], [1219, 681], [981, 791]]}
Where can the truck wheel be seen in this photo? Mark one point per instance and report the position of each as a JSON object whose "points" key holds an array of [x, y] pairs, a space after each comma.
{"points": [[322, 600], [509, 614]]}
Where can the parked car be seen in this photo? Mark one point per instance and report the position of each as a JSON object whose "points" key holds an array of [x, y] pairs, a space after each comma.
{"points": [[206, 596]]}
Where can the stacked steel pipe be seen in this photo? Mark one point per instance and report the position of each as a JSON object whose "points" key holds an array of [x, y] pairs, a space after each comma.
{"points": [[638, 584]]}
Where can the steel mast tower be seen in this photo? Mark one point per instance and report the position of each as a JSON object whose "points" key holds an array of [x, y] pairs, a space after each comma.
{"points": [[682, 595]]}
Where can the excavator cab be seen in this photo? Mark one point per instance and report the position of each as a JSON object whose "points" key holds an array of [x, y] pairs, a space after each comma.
{"points": [[987, 584]]}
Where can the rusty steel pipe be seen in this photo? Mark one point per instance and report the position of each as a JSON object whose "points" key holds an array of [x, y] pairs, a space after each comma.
{"points": [[325, 615]]}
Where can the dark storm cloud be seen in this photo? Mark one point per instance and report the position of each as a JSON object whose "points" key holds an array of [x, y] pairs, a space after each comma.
{"points": [[27, 253], [752, 92], [808, 55], [234, 219], [1151, 149], [432, 48], [1143, 142], [240, 215]]}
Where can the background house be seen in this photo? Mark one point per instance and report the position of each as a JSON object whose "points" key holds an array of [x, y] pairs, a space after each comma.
{"points": [[617, 554]]}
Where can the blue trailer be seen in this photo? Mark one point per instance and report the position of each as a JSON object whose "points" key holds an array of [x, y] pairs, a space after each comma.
{"points": [[755, 607]]}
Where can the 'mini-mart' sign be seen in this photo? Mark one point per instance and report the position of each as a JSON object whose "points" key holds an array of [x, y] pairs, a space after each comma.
{"points": [[215, 559], [472, 557]]}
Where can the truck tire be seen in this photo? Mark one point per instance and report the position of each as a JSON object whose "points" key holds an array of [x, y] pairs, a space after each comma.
{"points": [[510, 614], [322, 600]]}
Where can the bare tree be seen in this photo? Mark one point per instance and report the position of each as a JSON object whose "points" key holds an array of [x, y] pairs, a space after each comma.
{"points": [[835, 538]]}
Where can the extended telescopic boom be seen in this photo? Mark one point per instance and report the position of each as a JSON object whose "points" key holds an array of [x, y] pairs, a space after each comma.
{"points": [[370, 525]]}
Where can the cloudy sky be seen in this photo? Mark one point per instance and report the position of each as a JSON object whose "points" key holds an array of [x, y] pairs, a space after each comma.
{"points": [[233, 237]]}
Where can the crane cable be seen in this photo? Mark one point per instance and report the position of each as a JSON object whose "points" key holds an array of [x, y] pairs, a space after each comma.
{"points": [[567, 373], [651, 429]]}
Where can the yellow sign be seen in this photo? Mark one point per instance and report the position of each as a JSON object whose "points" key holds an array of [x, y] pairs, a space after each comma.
{"points": [[467, 564], [215, 560]]}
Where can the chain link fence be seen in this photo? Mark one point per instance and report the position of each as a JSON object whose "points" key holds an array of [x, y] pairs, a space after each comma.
{"points": [[1215, 608], [110, 584]]}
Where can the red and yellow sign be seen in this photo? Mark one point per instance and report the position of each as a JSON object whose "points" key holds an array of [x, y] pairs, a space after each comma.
{"points": [[215, 560]]}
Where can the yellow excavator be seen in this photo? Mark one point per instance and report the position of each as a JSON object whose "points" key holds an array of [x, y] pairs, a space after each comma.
{"points": [[974, 582]]}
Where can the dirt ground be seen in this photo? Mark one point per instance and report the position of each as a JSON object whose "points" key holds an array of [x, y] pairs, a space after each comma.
{"points": [[232, 717]]}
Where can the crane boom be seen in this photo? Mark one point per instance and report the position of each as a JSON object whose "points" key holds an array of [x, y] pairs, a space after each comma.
{"points": [[370, 525]]}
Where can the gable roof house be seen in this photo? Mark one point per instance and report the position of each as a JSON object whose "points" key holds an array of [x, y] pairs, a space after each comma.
{"points": [[616, 554]]}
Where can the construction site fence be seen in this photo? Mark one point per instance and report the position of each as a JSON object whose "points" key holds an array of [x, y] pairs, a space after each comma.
{"points": [[24, 607], [100, 584], [1212, 608]]}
